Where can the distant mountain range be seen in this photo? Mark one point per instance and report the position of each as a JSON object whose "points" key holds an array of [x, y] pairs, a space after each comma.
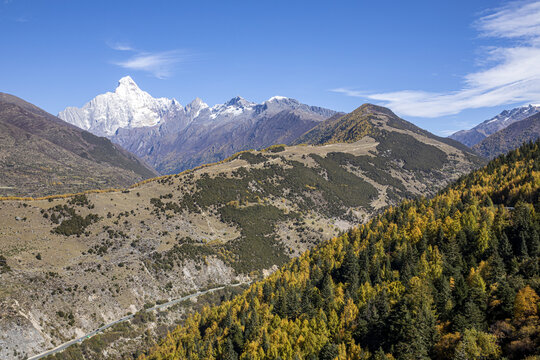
{"points": [[41, 155], [510, 138], [173, 138], [480, 132]]}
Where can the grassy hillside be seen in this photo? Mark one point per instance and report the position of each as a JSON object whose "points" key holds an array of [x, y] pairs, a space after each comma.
{"points": [[454, 277], [225, 222], [399, 138], [42, 155], [341, 128]]}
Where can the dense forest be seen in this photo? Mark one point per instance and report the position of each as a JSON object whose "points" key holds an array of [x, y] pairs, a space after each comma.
{"points": [[452, 277]]}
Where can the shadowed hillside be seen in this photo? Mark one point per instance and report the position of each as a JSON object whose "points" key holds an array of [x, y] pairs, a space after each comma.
{"points": [[510, 138], [42, 155]]}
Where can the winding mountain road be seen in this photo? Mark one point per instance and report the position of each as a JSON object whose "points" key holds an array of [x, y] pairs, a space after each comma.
{"points": [[67, 344]]}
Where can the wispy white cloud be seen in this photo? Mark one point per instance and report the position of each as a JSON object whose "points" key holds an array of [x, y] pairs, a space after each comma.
{"points": [[447, 132], [349, 92], [159, 64], [120, 47], [516, 20], [512, 74]]}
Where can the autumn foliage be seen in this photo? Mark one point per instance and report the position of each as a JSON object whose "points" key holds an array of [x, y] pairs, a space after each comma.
{"points": [[453, 277]]}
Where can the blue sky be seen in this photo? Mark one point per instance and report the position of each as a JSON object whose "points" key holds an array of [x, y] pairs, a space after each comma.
{"points": [[445, 65]]}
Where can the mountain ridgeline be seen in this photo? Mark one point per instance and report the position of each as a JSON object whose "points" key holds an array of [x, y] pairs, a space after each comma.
{"points": [[220, 223], [42, 155], [452, 277], [395, 137], [478, 133]]}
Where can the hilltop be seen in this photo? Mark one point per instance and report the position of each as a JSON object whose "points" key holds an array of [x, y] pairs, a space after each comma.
{"points": [[389, 130]]}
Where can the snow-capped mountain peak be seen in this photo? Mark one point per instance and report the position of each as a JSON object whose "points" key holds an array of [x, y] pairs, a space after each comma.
{"points": [[194, 108], [232, 108], [506, 118], [127, 107], [282, 101], [126, 81], [197, 103], [126, 85], [278, 98], [239, 101]]}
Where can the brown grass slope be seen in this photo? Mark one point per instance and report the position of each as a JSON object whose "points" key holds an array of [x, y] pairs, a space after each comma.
{"points": [[403, 140], [353, 126], [42, 155], [103, 255]]}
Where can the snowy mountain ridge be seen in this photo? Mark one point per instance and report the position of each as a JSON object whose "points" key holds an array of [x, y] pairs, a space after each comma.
{"points": [[130, 107], [172, 137], [481, 131]]}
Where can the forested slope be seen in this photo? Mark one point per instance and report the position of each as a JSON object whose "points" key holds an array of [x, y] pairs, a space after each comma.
{"points": [[453, 277]]}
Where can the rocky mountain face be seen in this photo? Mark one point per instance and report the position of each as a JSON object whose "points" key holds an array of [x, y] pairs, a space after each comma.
{"points": [[173, 138], [510, 138], [478, 133], [42, 155], [215, 225]]}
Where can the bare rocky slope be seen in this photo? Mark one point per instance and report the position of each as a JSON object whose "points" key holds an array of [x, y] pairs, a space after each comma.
{"points": [[481, 131], [70, 264], [510, 138], [41, 155]]}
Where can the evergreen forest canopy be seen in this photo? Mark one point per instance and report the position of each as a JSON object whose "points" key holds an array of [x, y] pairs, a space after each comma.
{"points": [[453, 277]]}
